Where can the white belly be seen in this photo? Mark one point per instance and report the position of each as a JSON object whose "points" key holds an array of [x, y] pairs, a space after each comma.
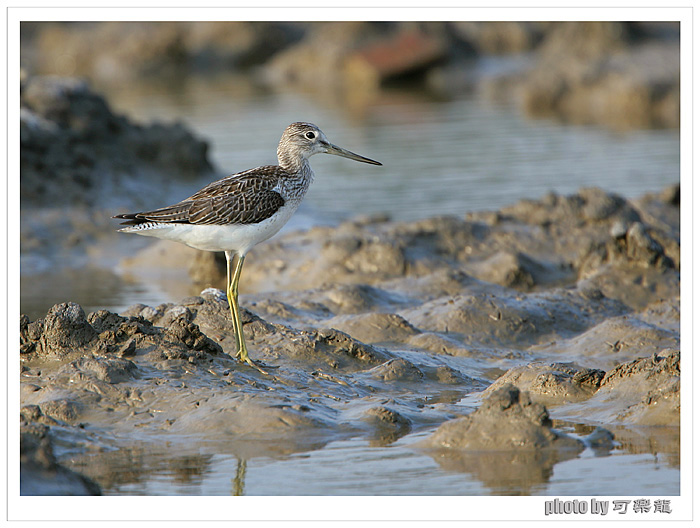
{"points": [[239, 238]]}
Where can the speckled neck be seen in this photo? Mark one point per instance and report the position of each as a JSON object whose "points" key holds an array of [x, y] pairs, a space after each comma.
{"points": [[291, 161], [297, 182]]}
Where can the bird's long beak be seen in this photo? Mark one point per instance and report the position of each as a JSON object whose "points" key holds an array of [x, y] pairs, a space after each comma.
{"points": [[337, 151]]}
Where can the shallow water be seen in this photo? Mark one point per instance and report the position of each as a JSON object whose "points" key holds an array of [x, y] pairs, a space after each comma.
{"points": [[440, 157], [355, 467]]}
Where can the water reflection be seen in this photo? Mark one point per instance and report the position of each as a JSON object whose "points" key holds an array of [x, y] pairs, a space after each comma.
{"points": [[238, 483], [382, 466], [135, 470], [520, 472]]}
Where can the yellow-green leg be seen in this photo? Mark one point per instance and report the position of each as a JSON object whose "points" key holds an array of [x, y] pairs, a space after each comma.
{"points": [[232, 296]]}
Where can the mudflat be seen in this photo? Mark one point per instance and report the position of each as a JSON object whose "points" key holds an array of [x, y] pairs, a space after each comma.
{"points": [[559, 310]]}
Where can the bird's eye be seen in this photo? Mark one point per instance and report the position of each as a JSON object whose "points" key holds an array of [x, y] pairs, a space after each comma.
{"points": [[311, 135]]}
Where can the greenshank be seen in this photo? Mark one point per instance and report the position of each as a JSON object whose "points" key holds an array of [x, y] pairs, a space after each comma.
{"points": [[238, 212]]}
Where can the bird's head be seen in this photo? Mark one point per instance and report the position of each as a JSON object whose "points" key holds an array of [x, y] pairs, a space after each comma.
{"points": [[302, 140]]}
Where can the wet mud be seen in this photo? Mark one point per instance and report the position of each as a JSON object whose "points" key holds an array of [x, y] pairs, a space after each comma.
{"points": [[515, 339]]}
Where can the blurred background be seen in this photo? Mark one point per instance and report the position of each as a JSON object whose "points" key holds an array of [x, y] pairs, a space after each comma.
{"points": [[465, 116]]}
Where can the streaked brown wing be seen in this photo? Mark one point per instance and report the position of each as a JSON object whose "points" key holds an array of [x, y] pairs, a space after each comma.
{"points": [[244, 198], [245, 208]]}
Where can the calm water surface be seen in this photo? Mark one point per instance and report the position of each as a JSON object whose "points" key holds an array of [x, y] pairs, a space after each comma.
{"points": [[354, 467], [440, 157]]}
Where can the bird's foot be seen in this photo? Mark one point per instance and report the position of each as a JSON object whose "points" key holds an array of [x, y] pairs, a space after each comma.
{"points": [[256, 366], [245, 358]]}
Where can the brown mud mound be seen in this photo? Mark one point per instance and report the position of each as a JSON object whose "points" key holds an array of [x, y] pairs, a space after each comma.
{"points": [[611, 73], [512, 319], [508, 443], [100, 340], [645, 391], [78, 162], [507, 419], [620, 338], [75, 150], [553, 384]]}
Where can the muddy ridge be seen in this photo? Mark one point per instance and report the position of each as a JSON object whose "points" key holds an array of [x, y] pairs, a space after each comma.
{"points": [[378, 329]]}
